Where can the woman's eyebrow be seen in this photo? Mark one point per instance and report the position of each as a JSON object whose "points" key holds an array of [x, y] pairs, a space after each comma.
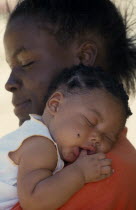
{"points": [[19, 50]]}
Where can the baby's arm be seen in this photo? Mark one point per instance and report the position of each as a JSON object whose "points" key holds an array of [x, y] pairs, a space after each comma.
{"points": [[38, 189]]}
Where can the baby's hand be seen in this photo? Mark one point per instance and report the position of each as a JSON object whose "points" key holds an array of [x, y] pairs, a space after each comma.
{"points": [[93, 167]]}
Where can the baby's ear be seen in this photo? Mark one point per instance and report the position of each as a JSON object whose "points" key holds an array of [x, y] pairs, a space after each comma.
{"points": [[53, 103]]}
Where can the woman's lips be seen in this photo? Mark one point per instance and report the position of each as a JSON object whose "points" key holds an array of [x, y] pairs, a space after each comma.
{"points": [[21, 107]]}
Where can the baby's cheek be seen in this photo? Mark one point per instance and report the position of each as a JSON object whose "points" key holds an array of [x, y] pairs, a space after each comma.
{"points": [[78, 135], [81, 136], [107, 147]]}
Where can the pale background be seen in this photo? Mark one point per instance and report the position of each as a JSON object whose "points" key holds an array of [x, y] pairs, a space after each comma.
{"points": [[8, 122]]}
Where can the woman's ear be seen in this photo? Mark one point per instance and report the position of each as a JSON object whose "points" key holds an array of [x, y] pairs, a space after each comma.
{"points": [[87, 53], [54, 102]]}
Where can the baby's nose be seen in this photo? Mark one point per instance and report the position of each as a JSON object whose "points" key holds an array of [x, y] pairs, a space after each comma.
{"points": [[95, 138]]}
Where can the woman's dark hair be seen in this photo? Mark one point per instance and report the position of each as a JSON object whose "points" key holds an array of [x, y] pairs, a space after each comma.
{"points": [[70, 20], [80, 79]]}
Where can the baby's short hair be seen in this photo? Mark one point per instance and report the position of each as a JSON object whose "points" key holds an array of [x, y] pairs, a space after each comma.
{"points": [[79, 79]]}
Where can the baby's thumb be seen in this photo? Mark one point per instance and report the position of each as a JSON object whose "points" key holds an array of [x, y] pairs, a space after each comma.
{"points": [[83, 152]]}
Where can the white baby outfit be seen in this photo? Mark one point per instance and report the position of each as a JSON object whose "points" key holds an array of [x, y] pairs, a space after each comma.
{"points": [[8, 170]]}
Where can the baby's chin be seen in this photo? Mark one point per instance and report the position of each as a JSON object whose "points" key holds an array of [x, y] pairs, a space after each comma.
{"points": [[72, 155], [70, 159]]}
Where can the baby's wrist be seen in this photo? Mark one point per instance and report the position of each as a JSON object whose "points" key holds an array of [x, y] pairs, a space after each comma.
{"points": [[79, 173]]}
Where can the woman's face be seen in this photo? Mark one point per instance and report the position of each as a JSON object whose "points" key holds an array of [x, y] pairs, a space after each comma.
{"points": [[35, 58]]}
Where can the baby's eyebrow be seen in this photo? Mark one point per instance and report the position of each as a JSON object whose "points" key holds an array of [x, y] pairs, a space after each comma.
{"points": [[96, 112]]}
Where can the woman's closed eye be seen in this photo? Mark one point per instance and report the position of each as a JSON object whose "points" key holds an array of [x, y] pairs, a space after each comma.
{"points": [[28, 64]]}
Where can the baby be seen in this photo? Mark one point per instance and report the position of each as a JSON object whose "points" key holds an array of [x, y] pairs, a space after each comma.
{"points": [[86, 111]]}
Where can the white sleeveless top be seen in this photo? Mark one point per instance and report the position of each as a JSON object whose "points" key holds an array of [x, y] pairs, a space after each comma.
{"points": [[8, 170]]}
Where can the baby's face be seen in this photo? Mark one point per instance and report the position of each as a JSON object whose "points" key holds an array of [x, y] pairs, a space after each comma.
{"points": [[92, 121]]}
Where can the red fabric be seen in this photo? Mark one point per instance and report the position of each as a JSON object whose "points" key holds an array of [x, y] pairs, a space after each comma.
{"points": [[17, 207], [117, 192]]}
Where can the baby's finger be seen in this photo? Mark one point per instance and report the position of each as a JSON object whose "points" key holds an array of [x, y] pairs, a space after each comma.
{"points": [[105, 170], [103, 176], [101, 156], [105, 162]]}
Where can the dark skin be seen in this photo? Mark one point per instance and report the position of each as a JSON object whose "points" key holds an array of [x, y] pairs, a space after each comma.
{"points": [[35, 57], [31, 81]]}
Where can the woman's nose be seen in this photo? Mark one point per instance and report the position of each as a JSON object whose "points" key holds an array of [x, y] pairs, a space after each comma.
{"points": [[12, 83]]}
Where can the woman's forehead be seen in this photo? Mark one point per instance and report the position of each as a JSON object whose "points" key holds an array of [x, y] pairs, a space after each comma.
{"points": [[20, 26], [26, 36]]}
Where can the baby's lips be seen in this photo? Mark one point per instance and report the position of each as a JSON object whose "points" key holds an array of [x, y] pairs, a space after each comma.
{"points": [[76, 151], [91, 151]]}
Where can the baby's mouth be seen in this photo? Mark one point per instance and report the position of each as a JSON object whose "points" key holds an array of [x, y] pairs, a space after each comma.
{"points": [[91, 152]]}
